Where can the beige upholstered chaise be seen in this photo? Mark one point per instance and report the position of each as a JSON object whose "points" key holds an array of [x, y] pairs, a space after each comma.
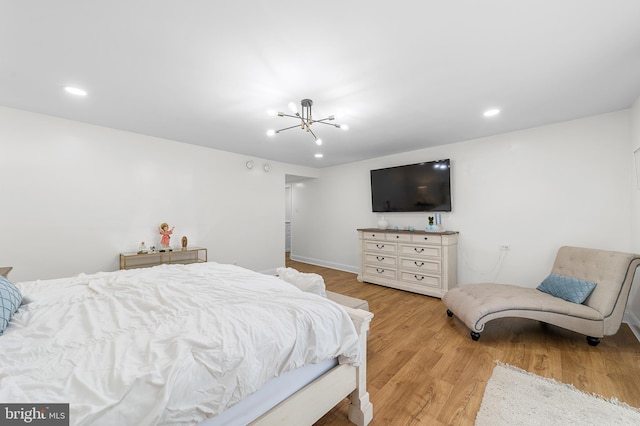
{"points": [[598, 316]]}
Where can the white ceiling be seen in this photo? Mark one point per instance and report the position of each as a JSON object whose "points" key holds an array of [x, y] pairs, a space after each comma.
{"points": [[405, 74]]}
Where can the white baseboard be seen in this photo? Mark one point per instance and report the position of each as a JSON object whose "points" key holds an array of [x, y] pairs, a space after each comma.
{"points": [[271, 271], [332, 265], [634, 323]]}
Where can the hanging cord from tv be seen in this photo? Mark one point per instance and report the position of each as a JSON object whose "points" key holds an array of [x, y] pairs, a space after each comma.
{"points": [[497, 266]]}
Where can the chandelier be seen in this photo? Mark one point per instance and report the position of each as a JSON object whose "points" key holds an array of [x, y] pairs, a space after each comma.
{"points": [[306, 120]]}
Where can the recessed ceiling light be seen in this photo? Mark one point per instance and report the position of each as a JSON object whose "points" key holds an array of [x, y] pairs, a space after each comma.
{"points": [[75, 91], [491, 112]]}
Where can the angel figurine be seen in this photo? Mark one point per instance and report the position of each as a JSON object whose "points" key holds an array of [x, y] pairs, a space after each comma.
{"points": [[166, 235]]}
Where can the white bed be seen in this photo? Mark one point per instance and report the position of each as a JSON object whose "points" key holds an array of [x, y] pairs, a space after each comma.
{"points": [[184, 344]]}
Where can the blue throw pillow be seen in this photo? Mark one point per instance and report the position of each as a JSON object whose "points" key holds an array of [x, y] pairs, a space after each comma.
{"points": [[567, 288], [10, 299]]}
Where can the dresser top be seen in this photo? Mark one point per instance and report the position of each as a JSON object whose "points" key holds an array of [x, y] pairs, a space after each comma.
{"points": [[406, 231]]}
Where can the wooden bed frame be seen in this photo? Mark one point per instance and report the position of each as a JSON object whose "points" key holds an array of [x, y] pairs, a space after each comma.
{"points": [[310, 403]]}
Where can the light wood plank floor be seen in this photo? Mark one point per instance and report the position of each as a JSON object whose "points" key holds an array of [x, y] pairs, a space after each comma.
{"points": [[424, 369]]}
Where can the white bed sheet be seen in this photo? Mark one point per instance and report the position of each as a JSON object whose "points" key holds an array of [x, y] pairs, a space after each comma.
{"points": [[173, 344]]}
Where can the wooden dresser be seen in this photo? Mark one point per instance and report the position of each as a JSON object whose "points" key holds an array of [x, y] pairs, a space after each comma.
{"points": [[417, 261]]}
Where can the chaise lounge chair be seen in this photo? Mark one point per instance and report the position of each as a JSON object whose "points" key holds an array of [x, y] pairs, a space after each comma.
{"points": [[574, 271]]}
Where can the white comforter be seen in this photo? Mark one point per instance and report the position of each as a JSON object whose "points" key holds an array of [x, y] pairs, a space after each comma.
{"points": [[165, 345]]}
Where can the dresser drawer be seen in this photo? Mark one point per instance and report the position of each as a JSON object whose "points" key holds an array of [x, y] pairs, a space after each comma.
{"points": [[380, 260], [380, 247], [425, 266], [426, 280], [398, 237], [380, 272], [427, 239], [374, 236], [420, 251]]}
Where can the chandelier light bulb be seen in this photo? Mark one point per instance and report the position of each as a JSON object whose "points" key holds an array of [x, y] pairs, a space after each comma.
{"points": [[271, 132], [318, 141], [344, 127], [318, 155]]}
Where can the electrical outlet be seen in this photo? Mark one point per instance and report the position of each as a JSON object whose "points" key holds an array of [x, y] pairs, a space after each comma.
{"points": [[504, 247]]}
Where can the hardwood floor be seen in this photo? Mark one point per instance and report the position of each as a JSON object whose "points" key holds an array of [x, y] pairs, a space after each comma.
{"points": [[424, 369]]}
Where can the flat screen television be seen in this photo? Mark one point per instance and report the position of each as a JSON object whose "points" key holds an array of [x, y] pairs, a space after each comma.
{"points": [[421, 187]]}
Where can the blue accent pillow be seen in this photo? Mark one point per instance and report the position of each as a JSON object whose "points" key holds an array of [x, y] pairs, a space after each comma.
{"points": [[10, 299], [567, 288]]}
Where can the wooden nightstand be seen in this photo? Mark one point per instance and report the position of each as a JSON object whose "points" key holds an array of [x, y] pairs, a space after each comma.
{"points": [[4, 270]]}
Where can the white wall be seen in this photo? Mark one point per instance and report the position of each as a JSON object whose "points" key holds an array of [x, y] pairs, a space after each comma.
{"points": [[75, 195], [538, 189]]}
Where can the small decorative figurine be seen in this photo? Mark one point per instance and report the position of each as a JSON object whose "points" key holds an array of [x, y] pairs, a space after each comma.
{"points": [[166, 235], [142, 249], [184, 243], [437, 226]]}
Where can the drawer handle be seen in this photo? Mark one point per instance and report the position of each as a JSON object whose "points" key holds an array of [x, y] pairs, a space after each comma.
{"points": [[420, 265], [380, 246], [419, 278], [380, 271], [426, 238], [380, 258], [418, 250], [397, 236]]}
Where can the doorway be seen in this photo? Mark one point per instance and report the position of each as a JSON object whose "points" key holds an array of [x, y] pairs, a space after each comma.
{"points": [[289, 208]]}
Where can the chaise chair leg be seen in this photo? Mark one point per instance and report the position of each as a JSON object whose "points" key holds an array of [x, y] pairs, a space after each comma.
{"points": [[593, 341], [474, 334]]}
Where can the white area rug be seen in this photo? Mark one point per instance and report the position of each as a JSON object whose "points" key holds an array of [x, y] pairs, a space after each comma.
{"points": [[515, 397]]}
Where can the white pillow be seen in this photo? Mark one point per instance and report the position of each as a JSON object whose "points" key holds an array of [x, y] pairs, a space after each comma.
{"points": [[312, 283]]}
